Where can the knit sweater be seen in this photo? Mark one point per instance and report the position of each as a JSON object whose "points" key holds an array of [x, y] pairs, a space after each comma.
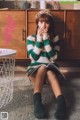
{"points": [[42, 50]]}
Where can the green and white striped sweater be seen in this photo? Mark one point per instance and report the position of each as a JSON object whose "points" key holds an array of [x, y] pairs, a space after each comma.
{"points": [[42, 50]]}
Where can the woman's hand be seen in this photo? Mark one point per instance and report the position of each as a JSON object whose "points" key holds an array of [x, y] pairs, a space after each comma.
{"points": [[45, 30], [42, 30]]}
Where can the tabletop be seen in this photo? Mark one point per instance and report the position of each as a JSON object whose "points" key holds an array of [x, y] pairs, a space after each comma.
{"points": [[7, 52]]}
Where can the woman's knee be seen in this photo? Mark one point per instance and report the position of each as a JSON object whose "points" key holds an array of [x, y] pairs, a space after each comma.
{"points": [[51, 74], [43, 69]]}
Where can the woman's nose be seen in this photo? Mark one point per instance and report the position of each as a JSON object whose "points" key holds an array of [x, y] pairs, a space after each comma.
{"points": [[44, 24]]}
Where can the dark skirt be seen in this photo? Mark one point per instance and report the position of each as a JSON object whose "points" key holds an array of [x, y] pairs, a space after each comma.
{"points": [[51, 66]]}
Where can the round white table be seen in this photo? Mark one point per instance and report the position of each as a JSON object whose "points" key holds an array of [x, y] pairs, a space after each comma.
{"points": [[7, 65]]}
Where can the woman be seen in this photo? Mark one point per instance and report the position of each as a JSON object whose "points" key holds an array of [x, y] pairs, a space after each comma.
{"points": [[43, 48]]}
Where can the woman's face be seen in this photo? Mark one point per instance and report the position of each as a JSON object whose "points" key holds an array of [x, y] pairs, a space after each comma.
{"points": [[43, 23]]}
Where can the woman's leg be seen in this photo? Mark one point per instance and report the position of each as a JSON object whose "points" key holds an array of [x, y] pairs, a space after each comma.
{"points": [[61, 104], [38, 83], [39, 79], [54, 83]]}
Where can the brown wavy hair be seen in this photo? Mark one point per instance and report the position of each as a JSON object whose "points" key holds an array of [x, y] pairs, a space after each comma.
{"points": [[48, 19]]}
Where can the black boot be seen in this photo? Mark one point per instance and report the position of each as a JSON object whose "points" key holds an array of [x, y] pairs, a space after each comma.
{"points": [[60, 113], [39, 111]]}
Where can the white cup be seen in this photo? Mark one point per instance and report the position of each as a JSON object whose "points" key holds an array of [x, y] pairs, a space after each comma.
{"points": [[42, 4]]}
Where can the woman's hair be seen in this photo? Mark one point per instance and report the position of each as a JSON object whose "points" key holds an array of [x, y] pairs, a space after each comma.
{"points": [[47, 16]]}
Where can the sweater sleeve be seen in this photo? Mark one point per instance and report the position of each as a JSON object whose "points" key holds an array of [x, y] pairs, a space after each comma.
{"points": [[52, 48], [34, 47]]}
